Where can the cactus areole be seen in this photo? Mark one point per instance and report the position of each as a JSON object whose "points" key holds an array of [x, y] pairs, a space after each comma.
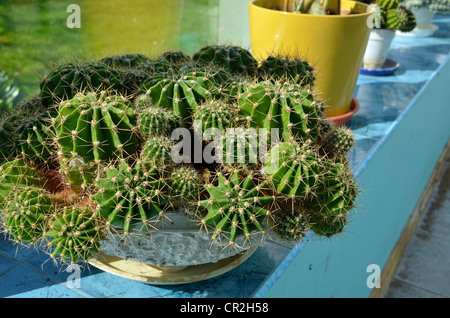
{"points": [[239, 152]]}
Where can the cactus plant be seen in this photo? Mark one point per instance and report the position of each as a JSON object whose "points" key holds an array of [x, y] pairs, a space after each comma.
{"points": [[126, 61], [396, 17], [388, 4], [401, 19], [65, 80], [76, 235], [437, 6], [129, 197], [26, 212], [216, 114], [233, 59], [35, 141], [287, 107], [154, 120], [236, 205], [182, 93], [334, 141], [293, 169], [85, 164], [277, 67], [184, 184], [18, 174], [157, 152]]}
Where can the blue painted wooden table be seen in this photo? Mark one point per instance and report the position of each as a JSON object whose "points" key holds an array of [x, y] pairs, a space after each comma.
{"points": [[401, 129]]}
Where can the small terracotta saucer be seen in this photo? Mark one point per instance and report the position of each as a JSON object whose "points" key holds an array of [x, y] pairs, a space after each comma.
{"points": [[342, 119]]}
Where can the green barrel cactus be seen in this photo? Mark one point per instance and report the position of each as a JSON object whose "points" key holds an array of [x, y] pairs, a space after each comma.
{"points": [[154, 120], [35, 141], [65, 80], [215, 114], [175, 57], [18, 174], [328, 226], [26, 212], [236, 207], [287, 107], [130, 198], [76, 234], [234, 59], [239, 148], [335, 141], [91, 128], [184, 184], [388, 4], [277, 68], [291, 225], [181, 93], [126, 61], [157, 153], [294, 170], [337, 190]]}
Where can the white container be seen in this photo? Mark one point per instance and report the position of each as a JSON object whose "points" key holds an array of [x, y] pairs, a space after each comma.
{"points": [[423, 17], [377, 48]]}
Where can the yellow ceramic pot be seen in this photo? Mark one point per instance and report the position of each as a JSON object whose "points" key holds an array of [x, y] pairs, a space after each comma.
{"points": [[333, 44]]}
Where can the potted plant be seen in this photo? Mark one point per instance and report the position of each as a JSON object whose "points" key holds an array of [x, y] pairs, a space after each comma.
{"points": [[424, 10], [155, 161], [392, 17], [330, 35]]}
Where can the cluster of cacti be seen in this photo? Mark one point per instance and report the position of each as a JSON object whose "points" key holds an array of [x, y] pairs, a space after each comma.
{"points": [[394, 16], [437, 6], [94, 155]]}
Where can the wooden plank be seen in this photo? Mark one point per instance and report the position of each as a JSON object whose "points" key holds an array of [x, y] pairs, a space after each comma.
{"points": [[410, 227]]}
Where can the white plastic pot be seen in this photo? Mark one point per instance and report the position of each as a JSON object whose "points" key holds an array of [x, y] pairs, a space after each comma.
{"points": [[423, 17], [377, 48]]}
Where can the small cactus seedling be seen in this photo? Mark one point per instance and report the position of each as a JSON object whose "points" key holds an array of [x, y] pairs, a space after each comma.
{"points": [[236, 207], [184, 184], [130, 198], [157, 153], [290, 225], [233, 59], [335, 142], [154, 120], [216, 114]]}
